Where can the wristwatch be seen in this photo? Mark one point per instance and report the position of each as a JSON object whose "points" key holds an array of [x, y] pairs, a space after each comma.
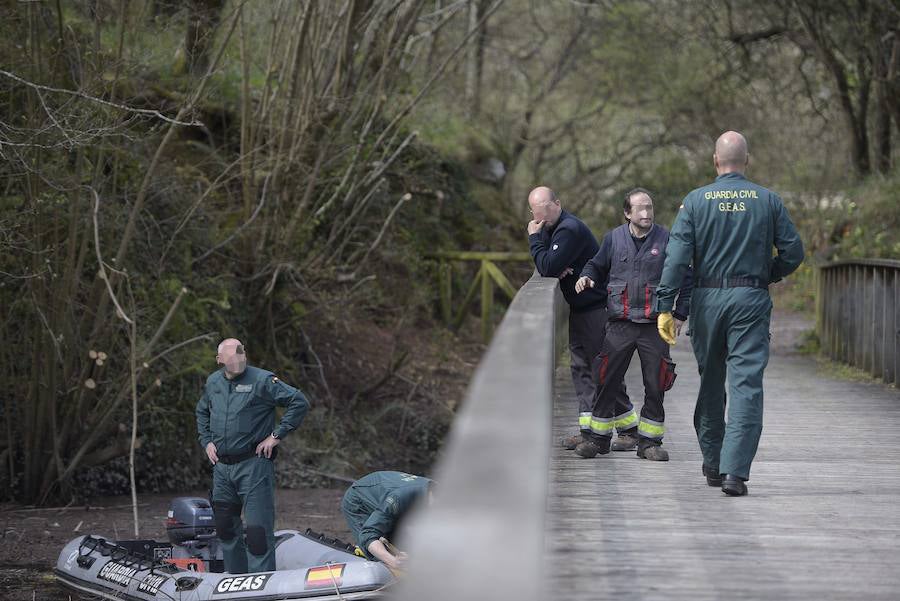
{"points": [[275, 436]]}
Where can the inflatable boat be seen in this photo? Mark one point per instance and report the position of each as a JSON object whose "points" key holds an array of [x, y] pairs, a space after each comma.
{"points": [[189, 565]]}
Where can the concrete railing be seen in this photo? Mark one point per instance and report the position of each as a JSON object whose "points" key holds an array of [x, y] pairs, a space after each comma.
{"points": [[484, 536], [858, 315]]}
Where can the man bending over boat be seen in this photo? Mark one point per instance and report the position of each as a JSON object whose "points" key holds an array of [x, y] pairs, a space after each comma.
{"points": [[375, 504]]}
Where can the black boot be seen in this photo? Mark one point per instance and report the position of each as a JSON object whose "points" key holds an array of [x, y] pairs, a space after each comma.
{"points": [[713, 477], [593, 446], [652, 450], [570, 442], [734, 486], [626, 441]]}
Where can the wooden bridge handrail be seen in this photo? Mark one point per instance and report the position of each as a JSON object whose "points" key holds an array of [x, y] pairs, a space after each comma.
{"points": [[864, 262], [484, 536]]}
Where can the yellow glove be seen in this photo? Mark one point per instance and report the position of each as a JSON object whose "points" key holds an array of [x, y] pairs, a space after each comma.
{"points": [[665, 323]]}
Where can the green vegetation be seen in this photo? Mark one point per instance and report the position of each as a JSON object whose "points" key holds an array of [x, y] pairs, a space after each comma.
{"points": [[279, 171], [842, 371]]}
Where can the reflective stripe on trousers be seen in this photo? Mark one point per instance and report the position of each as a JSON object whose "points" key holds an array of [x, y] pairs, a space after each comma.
{"points": [[602, 427], [625, 421], [651, 429], [584, 420]]}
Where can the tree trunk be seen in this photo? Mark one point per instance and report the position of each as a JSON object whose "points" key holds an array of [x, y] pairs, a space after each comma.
{"points": [[883, 121], [472, 61], [861, 155], [202, 20], [856, 116], [433, 44]]}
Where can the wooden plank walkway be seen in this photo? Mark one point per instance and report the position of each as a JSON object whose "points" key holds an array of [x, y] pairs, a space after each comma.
{"points": [[821, 521]]}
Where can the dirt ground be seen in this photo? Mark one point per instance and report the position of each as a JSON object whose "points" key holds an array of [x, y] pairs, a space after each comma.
{"points": [[33, 538]]}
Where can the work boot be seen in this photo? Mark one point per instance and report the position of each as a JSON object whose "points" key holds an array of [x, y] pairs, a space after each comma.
{"points": [[713, 477], [591, 447], [625, 441], [570, 442], [734, 486], [647, 449]]}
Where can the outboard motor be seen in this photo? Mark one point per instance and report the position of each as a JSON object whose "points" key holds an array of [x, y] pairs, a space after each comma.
{"points": [[190, 522], [191, 529]]}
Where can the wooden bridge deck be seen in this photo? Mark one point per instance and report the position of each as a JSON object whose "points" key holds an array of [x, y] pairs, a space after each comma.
{"points": [[822, 520]]}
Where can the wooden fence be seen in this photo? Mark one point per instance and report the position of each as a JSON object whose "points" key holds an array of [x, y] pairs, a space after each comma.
{"points": [[488, 276], [858, 315]]}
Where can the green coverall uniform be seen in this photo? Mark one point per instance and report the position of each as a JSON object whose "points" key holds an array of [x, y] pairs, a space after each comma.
{"points": [[236, 415], [726, 230], [375, 504]]}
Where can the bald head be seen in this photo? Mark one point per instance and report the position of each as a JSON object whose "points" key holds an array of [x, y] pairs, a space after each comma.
{"points": [[731, 153], [231, 355], [541, 195], [228, 342], [544, 205]]}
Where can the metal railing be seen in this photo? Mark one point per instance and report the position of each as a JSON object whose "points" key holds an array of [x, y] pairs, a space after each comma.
{"points": [[858, 315], [484, 536]]}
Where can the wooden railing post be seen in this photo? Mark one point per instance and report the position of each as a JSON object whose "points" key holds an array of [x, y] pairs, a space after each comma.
{"points": [[461, 314], [487, 301], [445, 290]]}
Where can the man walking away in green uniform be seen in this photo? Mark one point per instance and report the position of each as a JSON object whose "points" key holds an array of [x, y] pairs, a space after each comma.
{"points": [[236, 426], [375, 504], [727, 230]]}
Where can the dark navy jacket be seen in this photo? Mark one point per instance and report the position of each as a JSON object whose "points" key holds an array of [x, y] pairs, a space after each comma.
{"points": [[569, 243], [633, 274]]}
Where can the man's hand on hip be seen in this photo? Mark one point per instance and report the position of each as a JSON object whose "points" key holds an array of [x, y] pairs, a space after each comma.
{"points": [[535, 227], [583, 284], [211, 453], [264, 449]]}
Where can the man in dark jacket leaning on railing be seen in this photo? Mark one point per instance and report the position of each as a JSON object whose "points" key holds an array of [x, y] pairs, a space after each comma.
{"points": [[561, 244]]}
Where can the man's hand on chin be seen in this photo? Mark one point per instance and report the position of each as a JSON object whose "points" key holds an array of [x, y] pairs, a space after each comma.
{"points": [[535, 227]]}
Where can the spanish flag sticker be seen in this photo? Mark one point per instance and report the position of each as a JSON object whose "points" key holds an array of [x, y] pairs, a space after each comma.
{"points": [[323, 576]]}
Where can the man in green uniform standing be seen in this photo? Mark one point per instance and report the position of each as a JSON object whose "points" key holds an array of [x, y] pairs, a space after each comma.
{"points": [[375, 504], [726, 230], [236, 425]]}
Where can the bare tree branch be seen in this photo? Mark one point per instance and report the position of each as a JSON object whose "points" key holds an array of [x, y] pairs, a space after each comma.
{"points": [[115, 105]]}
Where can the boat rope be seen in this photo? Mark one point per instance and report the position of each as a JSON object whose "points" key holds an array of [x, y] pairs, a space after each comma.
{"points": [[333, 581], [122, 556]]}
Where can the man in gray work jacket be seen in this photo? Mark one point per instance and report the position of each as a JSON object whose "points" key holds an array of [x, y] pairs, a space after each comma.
{"points": [[631, 260]]}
